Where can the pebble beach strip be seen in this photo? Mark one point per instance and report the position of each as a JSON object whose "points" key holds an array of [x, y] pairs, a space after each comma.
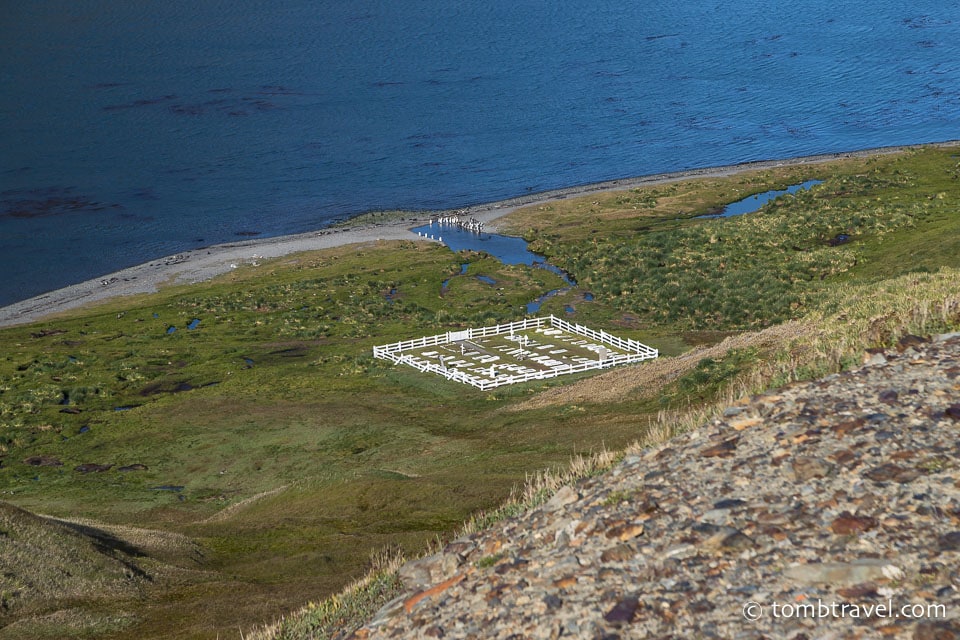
{"points": [[841, 493]]}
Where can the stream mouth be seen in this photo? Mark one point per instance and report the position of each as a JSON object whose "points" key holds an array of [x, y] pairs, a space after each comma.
{"points": [[506, 249]]}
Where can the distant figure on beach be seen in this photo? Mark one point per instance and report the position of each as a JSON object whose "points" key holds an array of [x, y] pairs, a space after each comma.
{"points": [[457, 220]]}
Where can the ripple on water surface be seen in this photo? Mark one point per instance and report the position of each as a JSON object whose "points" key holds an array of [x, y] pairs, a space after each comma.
{"points": [[863, 74]]}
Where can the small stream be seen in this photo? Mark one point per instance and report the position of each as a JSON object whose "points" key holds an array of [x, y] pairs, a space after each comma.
{"points": [[752, 204], [513, 250], [506, 249]]}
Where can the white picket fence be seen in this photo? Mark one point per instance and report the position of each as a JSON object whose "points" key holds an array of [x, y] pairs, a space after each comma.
{"points": [[636, 352], [632, 346]]}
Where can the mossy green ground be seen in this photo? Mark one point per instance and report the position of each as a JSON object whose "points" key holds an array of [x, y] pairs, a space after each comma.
{"points": [[276, 392]]}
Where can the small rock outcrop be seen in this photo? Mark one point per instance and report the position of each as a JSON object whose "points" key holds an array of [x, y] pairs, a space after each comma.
{"points": [[827, 509]]}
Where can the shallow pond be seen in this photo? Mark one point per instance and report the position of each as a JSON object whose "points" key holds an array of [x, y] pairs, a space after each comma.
{"points": [[753, 203]]}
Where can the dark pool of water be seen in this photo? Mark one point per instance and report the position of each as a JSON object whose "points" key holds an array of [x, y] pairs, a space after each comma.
{"points": [[171, 329], [753, 203], [569, 309], [194, 324], [486, 279], [168, 487]]}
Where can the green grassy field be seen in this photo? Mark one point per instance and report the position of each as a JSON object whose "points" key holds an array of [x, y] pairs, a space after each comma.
{"points": [[639, 251], [283, 455]]}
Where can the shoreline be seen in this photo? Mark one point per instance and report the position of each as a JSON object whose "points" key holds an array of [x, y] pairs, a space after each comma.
{"points": [[198, 265]]}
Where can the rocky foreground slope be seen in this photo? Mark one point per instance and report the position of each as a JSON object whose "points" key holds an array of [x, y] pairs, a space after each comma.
{"points": [[828, 509]]}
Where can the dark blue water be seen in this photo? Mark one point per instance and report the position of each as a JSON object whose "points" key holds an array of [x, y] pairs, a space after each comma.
{"points": [[131, 130]]}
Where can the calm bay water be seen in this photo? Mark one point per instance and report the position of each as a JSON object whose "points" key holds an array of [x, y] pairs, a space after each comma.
{"points": [[129, 131]]}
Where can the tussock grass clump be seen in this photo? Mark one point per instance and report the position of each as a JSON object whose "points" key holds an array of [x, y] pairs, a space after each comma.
{"points": [[869, 315], [539, 486], [758, 269], [743, 272], [652, 378], [339, 615]]}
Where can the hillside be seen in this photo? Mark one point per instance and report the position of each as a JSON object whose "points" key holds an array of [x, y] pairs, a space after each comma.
{"points": [[247, 418], [59, 577], [842, 494], [45, 564]]}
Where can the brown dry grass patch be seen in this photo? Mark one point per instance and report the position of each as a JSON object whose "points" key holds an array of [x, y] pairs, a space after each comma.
{"points": [[649, 378]]}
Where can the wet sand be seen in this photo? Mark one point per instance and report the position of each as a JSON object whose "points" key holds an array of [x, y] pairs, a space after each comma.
{"points": [[203, 264]]}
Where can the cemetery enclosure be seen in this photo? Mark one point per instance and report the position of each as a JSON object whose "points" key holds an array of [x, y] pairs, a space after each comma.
{"points": [[530, 349]]}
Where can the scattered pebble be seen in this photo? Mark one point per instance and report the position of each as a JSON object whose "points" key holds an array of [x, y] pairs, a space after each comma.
{"points": [[845, 489]]}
